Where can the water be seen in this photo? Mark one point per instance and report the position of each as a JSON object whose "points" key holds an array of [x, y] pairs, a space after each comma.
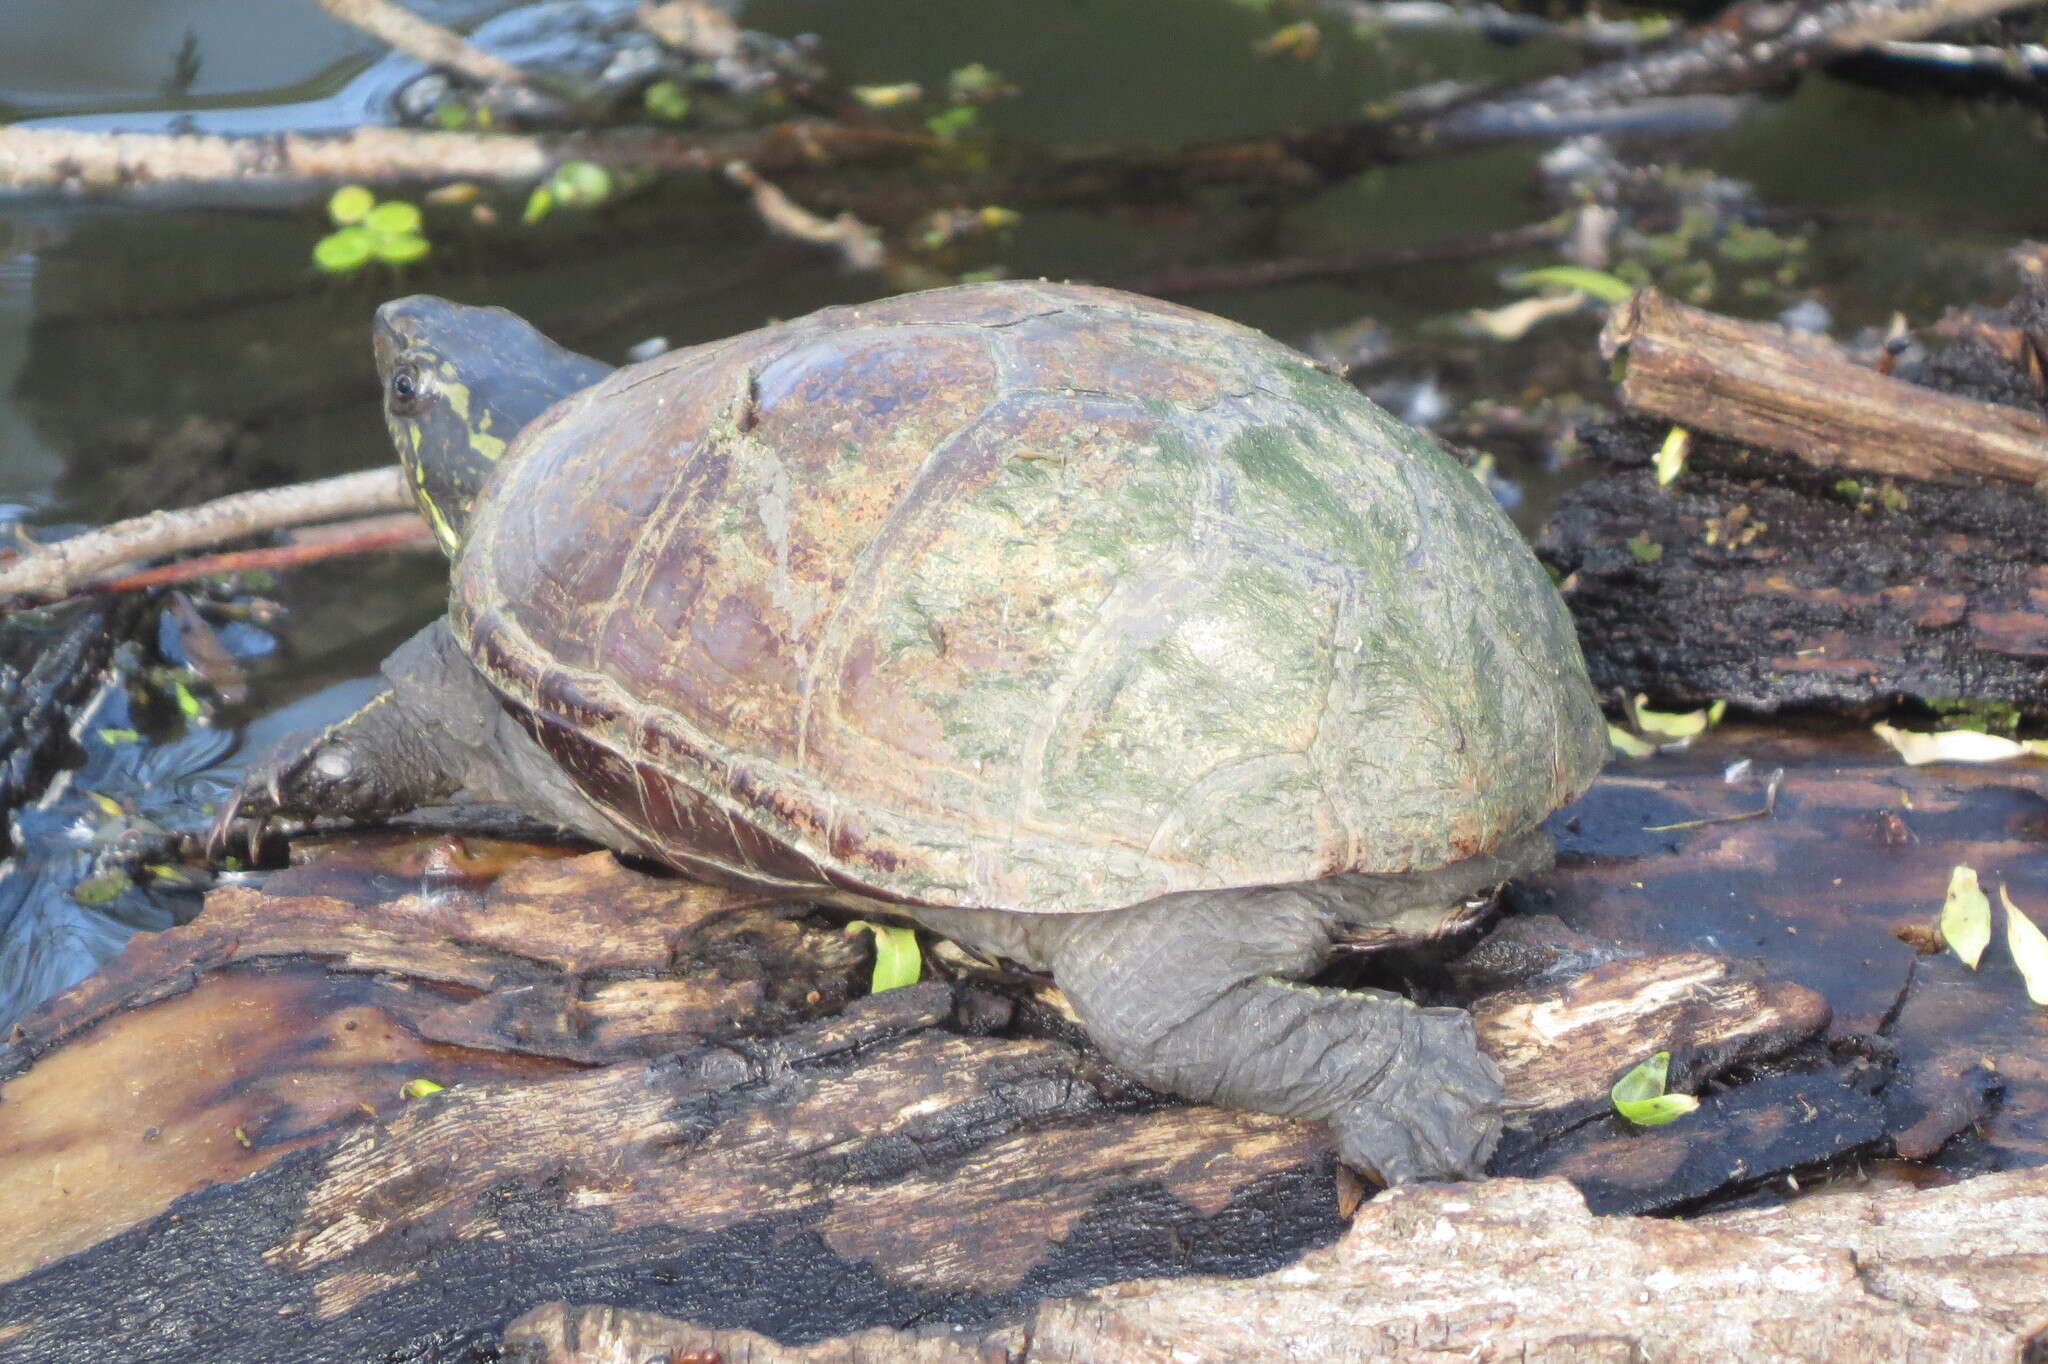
{"points": [[161, 356]]}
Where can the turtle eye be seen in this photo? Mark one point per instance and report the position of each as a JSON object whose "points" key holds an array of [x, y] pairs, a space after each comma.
{"points": [[407, 389]]}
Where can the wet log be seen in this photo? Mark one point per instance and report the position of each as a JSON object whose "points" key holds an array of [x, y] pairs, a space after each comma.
{"points": [[654, 1100]]}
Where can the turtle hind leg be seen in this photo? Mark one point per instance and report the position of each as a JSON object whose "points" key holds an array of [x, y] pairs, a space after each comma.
{"points": [[1198, 995]]}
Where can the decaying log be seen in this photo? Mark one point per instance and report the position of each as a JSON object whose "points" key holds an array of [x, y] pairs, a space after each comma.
{"points": [[1797, 392], [1510, 1269], [206, 1152]]}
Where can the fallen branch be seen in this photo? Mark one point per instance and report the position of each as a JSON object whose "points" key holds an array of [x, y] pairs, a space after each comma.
{"points": [[398, 530], [1788, 391], [59, 569], [424, 41], [60, 158]]}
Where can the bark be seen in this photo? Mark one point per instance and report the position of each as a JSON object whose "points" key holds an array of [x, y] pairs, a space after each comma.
{"points": [[1507, 1269]]}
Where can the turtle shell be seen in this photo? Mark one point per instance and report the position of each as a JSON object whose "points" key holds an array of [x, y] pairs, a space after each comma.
{"points": [[1021, 596]]}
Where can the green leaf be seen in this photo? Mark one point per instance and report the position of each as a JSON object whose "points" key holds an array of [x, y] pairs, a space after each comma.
{"points": [[450, 115], [393, 218], [1601, 285], [897, 961], [350, 204], [581, 184], [2029, 947], [538, 205], [1645, 550], [419, 1088], [1966, 917], [666, 100], [340, 252], [1628, 743], [1671, 455], [1639, 1096], [119, 736], [401, 249], [187, 702]]}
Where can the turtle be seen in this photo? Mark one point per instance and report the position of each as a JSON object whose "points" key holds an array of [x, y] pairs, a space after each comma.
{"points": [[1100, 634]]}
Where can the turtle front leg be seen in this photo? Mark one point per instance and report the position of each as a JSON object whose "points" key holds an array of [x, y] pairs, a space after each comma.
{"points": [[436, 734], [383, 760], [1196, 995]]}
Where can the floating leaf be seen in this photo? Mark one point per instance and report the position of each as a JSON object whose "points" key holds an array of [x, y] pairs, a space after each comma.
{"points": [[889, 96], [1601, 285], [538, 205], [974, 83], [666, 100], [1644, 549], [1628, 743], [1956, 746], [897, 961], [340, 252], [393, 218], [953, 122], [419, 1088], [1677, 724], [103, 889], [350, 204], [1670, 462], [1966, 917], [402, 249], [1298, 40], [1639, 1096], [2029, 947]]}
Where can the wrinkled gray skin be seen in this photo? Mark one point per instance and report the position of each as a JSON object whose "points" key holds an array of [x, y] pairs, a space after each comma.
{"points": [[1194, 994]]}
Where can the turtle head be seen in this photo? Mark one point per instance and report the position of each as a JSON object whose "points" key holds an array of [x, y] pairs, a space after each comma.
{"points": [[459, 383]]}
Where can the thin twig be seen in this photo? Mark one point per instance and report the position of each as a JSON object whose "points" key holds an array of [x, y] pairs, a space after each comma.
{"points": [[60, 569], [859, 245], [401, 530]]}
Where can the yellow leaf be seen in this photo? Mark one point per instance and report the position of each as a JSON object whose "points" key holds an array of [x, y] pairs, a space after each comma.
{"points": [[1949, 746], [2029, 948], [1966, 917]]}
